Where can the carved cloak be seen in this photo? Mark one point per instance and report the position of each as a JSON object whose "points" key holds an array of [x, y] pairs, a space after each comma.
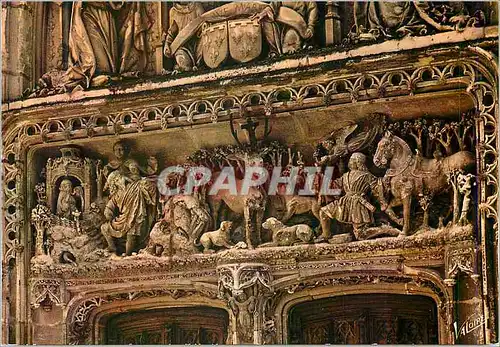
{"points": [[101, 43]]}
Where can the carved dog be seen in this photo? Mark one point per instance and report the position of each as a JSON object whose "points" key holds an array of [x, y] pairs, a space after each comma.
{"points": [[287, 236], [301, 204], [218, 238]]}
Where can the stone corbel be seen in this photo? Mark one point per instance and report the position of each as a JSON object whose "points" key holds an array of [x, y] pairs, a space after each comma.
{"points": [[246, 289], [47, 292], [460, 259]]}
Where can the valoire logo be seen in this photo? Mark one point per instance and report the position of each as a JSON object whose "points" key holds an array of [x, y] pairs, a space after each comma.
{"points": [[471, 324]]}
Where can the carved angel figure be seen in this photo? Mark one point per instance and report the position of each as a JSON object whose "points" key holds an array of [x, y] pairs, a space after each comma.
{"points": [[66, 201]]}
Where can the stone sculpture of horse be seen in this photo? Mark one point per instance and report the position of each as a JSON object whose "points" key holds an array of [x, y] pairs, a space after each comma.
{"points": [[411, 175]]}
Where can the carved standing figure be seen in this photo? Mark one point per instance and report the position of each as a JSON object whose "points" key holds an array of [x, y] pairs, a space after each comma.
{"points": [[354, 206], [180, 15], [106, 38], [129, 212], [243, 308], [409, 177]]}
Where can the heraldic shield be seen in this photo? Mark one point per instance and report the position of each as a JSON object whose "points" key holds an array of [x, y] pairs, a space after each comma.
{"points": [[245, 40], [215, 46]]}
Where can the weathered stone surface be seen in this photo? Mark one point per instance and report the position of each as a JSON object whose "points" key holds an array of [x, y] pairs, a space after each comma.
{"points": [[426, 105]]}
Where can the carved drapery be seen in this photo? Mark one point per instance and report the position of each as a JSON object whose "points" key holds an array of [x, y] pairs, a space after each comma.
{"points": [[477, 79]]}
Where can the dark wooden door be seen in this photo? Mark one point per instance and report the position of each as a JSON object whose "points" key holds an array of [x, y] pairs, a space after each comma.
{"points": [[364, 319], [193, 325]]}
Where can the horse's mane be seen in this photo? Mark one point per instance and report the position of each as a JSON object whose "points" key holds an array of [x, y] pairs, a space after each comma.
{"points": [[403, 143]]}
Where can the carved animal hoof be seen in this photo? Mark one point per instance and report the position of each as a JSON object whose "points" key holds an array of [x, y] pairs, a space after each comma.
{"points": [[400, 221]]}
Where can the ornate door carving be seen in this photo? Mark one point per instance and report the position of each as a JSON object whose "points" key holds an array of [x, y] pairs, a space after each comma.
{"points": [[193, 325], [361, 319]]}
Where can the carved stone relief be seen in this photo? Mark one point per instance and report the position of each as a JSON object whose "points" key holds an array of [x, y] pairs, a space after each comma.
{"points": [[199, 36], [186, 221], [363, 205]]}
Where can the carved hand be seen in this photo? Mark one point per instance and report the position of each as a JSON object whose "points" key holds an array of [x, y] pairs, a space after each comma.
{"points": [[309, 33], [166, 50]]}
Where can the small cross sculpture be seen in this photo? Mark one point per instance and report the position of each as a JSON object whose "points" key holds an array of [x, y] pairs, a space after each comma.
{"points": [[250, 127]]}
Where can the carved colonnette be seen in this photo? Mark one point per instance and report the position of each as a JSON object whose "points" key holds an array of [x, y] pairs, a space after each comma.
{"points": [[464, 73]]}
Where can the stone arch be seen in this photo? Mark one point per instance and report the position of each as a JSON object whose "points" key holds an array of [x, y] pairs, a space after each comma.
{"points": [[410, 282], [84, 315]]}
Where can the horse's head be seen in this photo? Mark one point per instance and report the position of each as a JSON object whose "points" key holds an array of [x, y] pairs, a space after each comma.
{"points": [[385, 150]]}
